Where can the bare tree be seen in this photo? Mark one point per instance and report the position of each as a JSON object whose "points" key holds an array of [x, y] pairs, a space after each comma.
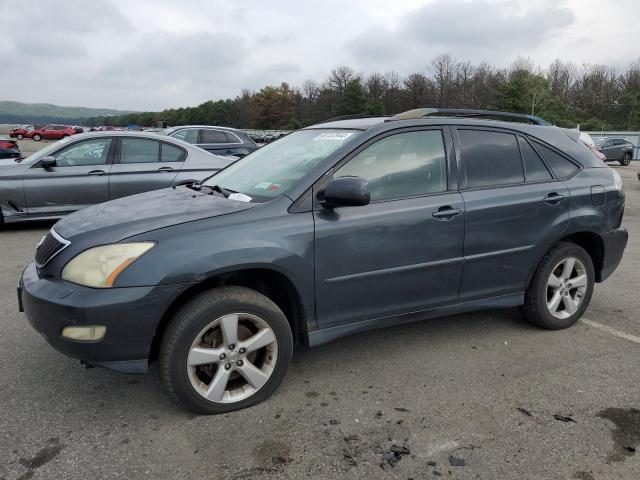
{"points": [[340, 78]]}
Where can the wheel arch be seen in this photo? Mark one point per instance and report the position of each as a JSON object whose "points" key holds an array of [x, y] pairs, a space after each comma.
{"points": [[590, 241], [273, 284]]}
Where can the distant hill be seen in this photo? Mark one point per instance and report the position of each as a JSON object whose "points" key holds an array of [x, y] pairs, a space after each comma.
{"points": [[17, 112]]}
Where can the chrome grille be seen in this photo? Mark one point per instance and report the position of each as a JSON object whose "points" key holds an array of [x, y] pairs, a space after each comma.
{"points": [[50, 246]]}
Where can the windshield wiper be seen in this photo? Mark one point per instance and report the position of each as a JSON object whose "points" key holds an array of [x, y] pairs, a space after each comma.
{"points": [[218, 189]]}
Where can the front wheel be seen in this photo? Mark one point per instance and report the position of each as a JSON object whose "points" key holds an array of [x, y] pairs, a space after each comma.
{"points": [[227, 349], [19, 136], [561, 288], [626, 160], [37, 137]]}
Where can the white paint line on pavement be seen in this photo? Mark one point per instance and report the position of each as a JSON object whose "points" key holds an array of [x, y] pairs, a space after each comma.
{"points": [[612, 331]]}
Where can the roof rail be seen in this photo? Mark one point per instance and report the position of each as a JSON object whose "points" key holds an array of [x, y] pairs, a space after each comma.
{"points": [[467, 113], [350, 117]]}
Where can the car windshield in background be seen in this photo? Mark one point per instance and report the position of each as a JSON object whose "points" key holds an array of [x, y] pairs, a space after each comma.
{"points": [[44, 152], [273, 169]]}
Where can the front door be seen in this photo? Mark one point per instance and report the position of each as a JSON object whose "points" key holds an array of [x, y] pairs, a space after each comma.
{"points": [[79, 179], [143, 164], [401, 253]]}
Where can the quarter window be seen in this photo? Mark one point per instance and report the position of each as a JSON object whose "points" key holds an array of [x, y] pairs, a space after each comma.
{"points": [[561, 167], [88, 152], [139, 150], [212, 136], [534, 167], [170, 153], [401, 165], [490, 158]]}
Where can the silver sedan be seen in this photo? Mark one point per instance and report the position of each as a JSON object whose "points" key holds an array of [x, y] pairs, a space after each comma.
{"points": [[91, 168]]}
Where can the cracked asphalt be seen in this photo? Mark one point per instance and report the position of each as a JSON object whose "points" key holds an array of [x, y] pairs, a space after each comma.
{"points": [[475, 396]]}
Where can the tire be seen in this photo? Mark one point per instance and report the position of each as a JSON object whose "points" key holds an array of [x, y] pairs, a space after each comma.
{"points": [[37, 137], [536, 308], [65, 136], [192, 326], [19, 136], [626, 160]]}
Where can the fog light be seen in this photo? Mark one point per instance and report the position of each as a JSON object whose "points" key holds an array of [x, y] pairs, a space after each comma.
{"points": [[89, 333]]}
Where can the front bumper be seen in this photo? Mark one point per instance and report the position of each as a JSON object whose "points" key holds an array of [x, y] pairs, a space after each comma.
{"points": [[614, 243], [131, 316]]}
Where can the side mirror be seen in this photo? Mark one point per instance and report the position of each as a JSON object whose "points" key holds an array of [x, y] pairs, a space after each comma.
{"points": [[47, 162], [347, 192]]}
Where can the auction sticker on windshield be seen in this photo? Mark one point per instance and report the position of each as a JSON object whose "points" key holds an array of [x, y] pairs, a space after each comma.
{"points": [[341, 136]]}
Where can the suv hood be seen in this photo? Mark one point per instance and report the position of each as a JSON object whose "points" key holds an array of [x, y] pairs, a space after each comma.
{"points": [[119, 219]]}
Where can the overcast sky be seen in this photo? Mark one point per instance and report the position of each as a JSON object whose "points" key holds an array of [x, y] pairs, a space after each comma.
{"points": [[154, 54]]}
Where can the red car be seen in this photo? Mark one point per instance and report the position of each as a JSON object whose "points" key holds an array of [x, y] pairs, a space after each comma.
{"points": [[51, 132], [22, 132]]}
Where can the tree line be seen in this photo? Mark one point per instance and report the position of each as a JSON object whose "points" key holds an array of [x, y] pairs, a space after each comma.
{"points": [[595, 97]]}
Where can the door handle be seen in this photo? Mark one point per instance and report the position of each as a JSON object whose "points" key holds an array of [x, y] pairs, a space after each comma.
{"points": [[165, 169], [446, 213], [97, 173], [553, 198]]}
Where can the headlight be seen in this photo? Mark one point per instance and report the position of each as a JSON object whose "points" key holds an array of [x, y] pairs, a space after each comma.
{"points": [[99, 267]]}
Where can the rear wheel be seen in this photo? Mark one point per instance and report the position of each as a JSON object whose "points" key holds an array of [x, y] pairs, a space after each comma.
{"points": [[37, 137], [626, 160], [19, 136], [227, 349], [561, 288]]}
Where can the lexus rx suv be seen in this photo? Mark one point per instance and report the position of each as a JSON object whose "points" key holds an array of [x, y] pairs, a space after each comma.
{"points": [[335, 229]]}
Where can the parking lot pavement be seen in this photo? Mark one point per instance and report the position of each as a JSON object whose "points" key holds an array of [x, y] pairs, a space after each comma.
{"points": [[470, 396]]}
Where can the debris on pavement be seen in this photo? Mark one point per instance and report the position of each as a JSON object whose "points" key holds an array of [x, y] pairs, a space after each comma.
{"points": [[394, 455], [456, 461], [563, 418]]}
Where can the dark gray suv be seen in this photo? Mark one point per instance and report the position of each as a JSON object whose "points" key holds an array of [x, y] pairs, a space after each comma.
{"points": [[216, 140], [335, 229], [616, 149]]}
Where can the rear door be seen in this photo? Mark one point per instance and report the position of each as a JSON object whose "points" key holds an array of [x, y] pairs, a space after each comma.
{"points": [[401, 253], [79, 179], [143, 164], [513, 205]]}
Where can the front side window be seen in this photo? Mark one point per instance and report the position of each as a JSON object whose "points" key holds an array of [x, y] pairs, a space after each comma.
{"points": [[401, 165], [189, 135], [212, 136], [490, 158], [88, 152], [278, 166], [139, 150]]}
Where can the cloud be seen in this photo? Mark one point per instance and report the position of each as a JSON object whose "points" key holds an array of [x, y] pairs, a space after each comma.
{"points": [[475, 30]]}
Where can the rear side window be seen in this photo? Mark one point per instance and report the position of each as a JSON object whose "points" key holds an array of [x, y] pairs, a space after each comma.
{"points": [[534, 168], [231, 138], [169, 153], [401, 165], [490, 158], [213, 136], [139, 150], [562, 168]]}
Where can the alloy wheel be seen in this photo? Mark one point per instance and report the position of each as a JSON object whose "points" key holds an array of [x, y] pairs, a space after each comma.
{"points": [[232, 358], [566, 287]]}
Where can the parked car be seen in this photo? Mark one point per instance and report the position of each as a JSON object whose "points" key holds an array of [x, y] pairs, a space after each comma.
{"points": [[95, 167], [218, 140], [22, 132], [51, 132], [616, 149], [9, 148], [334, 229]]}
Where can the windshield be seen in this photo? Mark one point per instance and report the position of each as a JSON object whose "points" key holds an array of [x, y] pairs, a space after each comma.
{"points": [[276, 167]]}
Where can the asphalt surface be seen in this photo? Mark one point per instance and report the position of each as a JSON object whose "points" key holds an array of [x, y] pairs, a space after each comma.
{"points": [[465, 397]]}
